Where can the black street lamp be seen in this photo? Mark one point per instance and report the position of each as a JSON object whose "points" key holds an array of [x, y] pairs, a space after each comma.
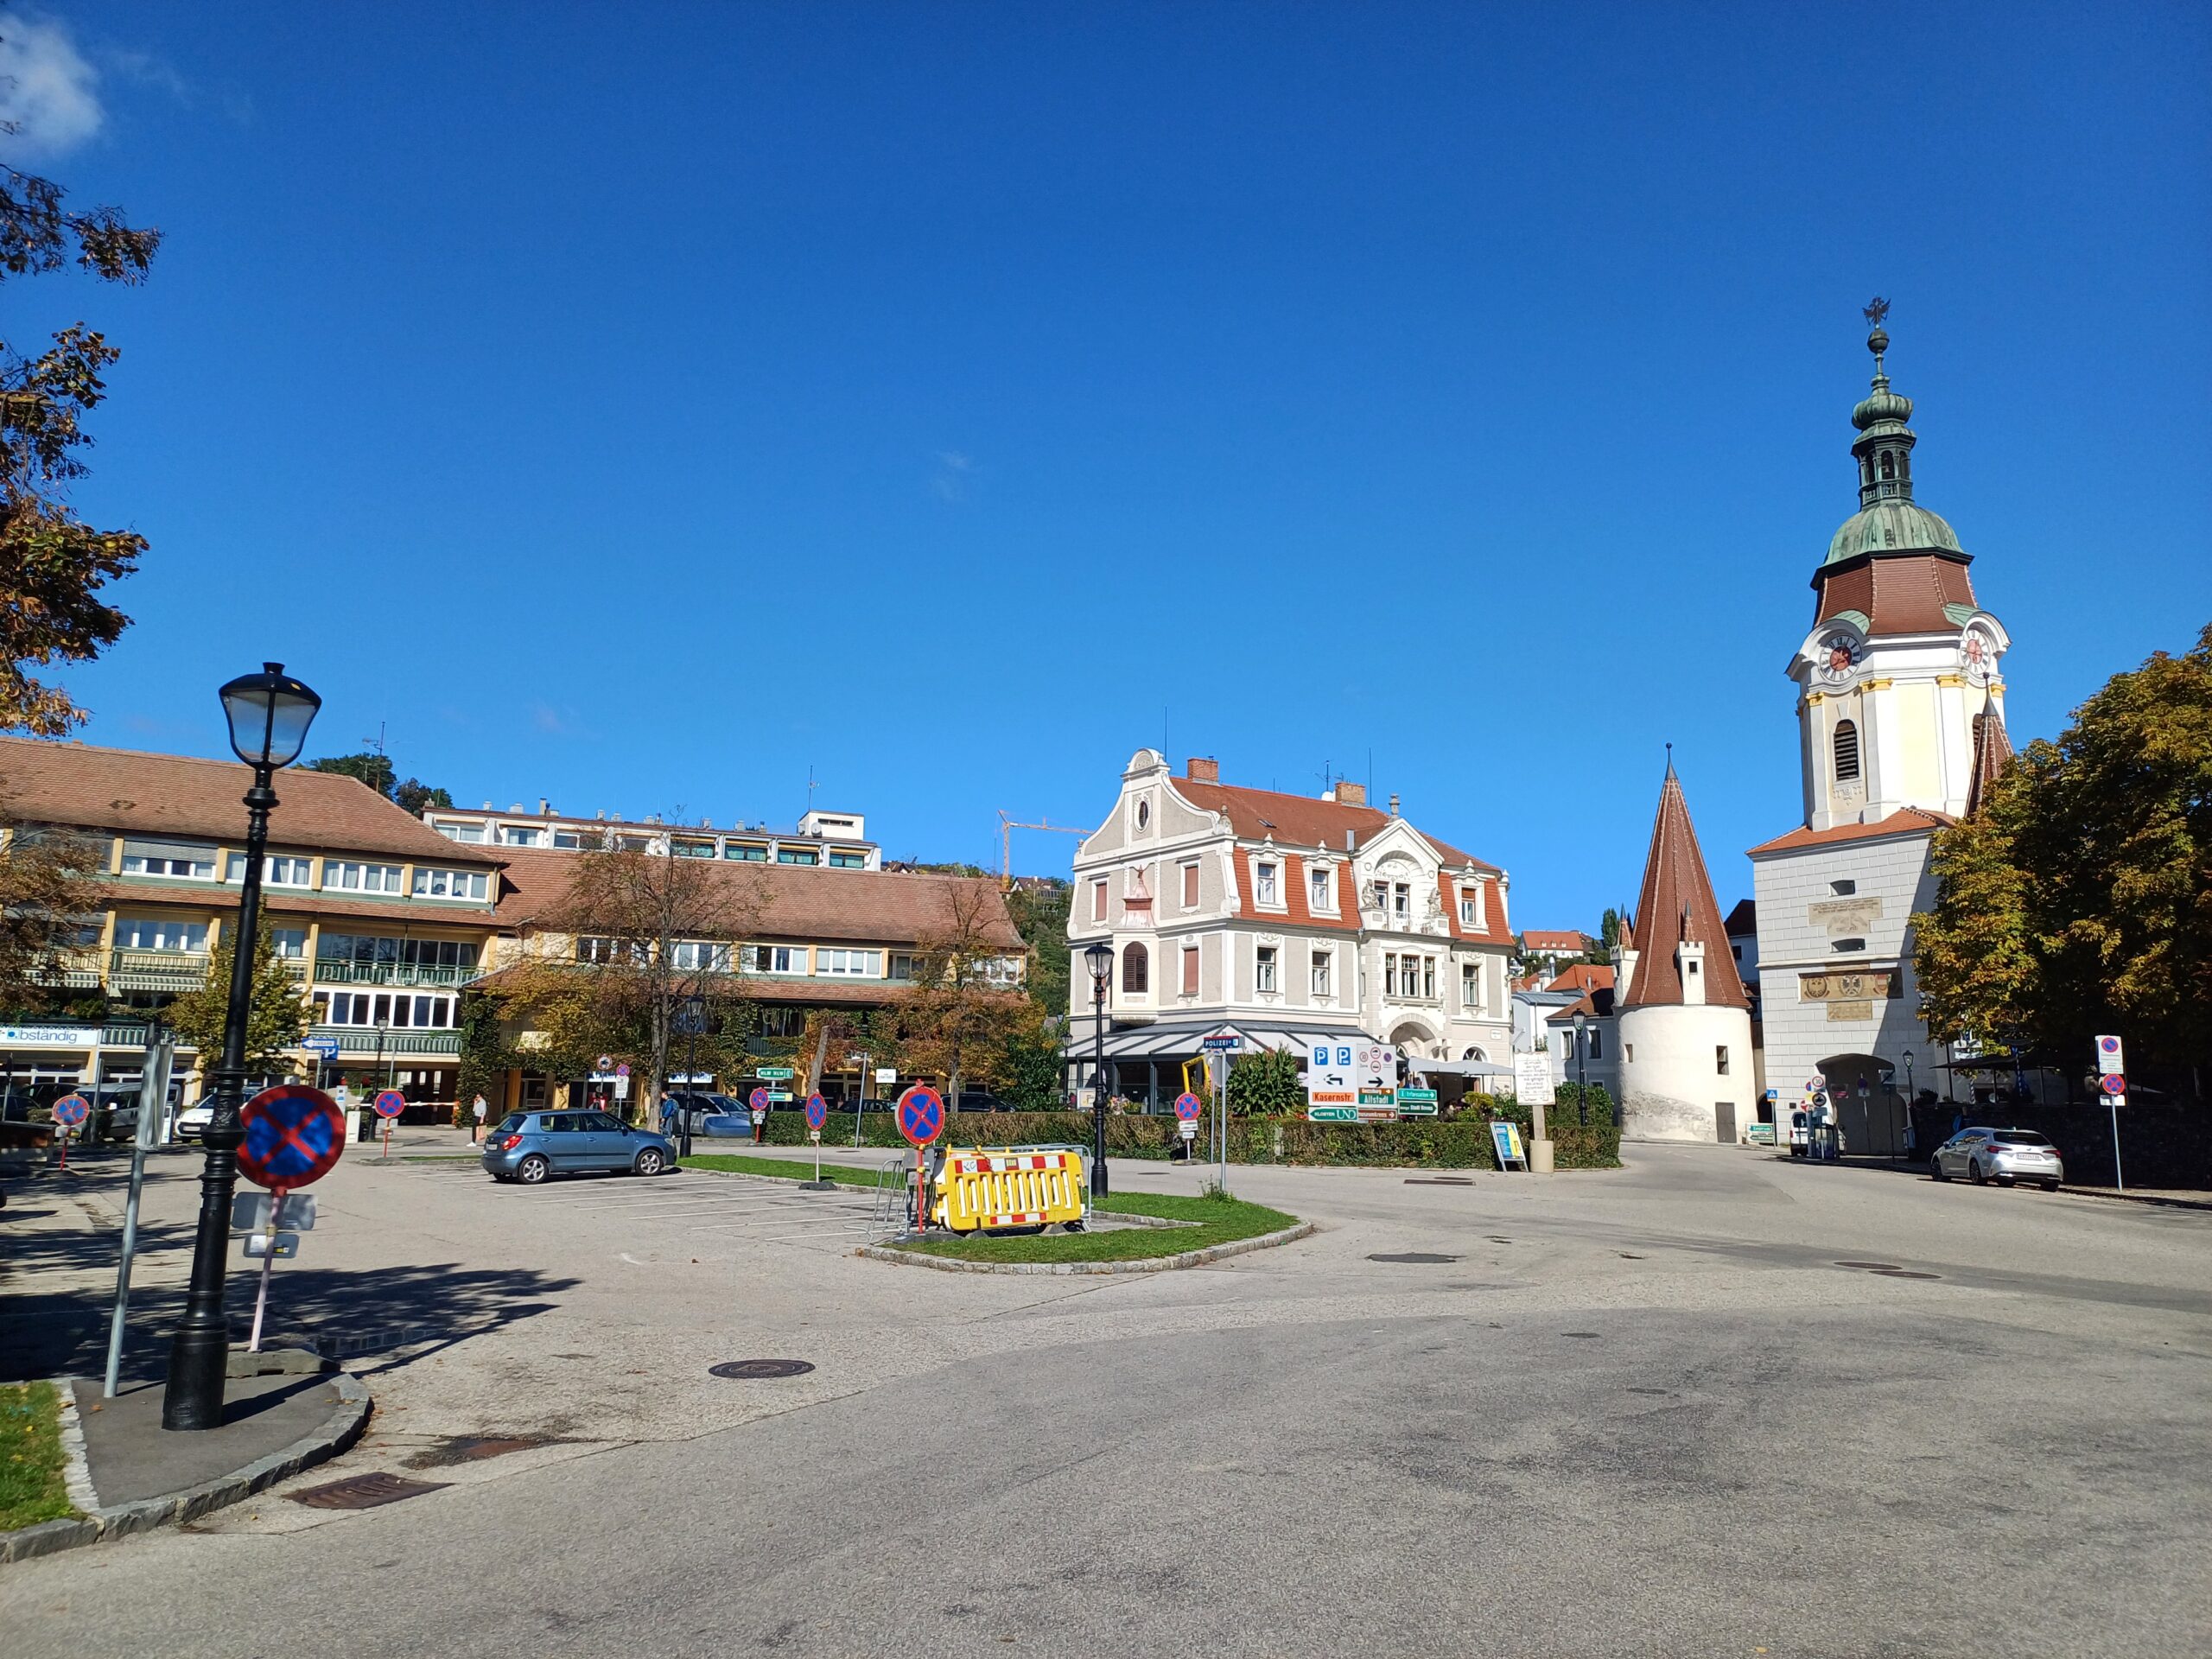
{"points": [[1099, 959], [268, 713], [1582, 1063]]}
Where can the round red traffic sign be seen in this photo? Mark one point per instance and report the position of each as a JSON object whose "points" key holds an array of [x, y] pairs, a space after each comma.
{"points": [[71, 1110], [818, 1111], [921, 1114], [389, 1103], [2111, 1083], [294, 1135], [757, 1100], [1188, 1106]]}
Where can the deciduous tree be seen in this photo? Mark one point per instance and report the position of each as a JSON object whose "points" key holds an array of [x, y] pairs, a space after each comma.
{"points": [[2079, 898], [51, 895], [53, 565], [277, 1018], [964, 1010]]}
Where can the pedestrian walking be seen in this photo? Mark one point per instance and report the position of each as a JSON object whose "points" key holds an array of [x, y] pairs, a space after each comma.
{"points": [[476, 1126]]}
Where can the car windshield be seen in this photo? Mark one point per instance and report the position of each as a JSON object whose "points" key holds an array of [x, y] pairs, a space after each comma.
{"points": [[2020, 1138]]}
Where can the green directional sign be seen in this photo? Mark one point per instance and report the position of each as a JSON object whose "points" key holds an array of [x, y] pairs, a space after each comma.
{"points": [[1332, 1115], [779, 1094], [773, 1072], [1417, 1103], [1377, 1096]]}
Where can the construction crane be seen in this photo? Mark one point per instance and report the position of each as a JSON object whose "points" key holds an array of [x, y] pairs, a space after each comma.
{"points": [[1008, 826]]}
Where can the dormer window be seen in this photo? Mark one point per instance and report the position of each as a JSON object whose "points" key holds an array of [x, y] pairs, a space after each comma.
{"points": [[1319, 896], [1263, 883]]}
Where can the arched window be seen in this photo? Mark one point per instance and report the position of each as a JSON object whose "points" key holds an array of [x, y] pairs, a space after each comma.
{"points": [[1136, 969], [1889, 464], [1846, 752]]}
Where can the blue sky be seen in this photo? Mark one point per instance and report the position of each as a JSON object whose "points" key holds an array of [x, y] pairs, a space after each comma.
{"points": [[639, 405]]}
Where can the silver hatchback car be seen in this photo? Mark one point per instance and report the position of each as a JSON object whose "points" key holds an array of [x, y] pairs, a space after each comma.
{"points": [[2006, 1156]]}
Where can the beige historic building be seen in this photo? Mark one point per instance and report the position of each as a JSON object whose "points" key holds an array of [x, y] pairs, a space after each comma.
{"points": [[1280, 917], [383, 920]]}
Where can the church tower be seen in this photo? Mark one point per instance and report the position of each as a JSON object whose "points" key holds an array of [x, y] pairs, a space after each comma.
{"points": [[1901, 726], [1901, 659]]}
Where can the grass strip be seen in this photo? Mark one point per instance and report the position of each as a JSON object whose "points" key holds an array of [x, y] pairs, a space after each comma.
{"points": [[33, 1487], [1212, 1221], [790, 1168]]}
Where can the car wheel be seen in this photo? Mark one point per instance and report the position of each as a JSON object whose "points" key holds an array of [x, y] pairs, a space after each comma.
{"points": [[532, 1170], [1935, 1170], [2051, 1186], [1980, 1176], [650, 1161]]}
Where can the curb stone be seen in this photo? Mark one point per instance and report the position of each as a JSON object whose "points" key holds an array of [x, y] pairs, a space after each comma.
{"points": [[1153, 1264], [338, 1431]]}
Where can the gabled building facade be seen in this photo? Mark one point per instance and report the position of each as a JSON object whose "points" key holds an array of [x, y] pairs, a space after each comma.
{"points": [[1283, 917]]}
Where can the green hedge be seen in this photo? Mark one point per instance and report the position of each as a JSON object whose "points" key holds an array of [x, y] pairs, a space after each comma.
{"points": [[1461, 1143]]}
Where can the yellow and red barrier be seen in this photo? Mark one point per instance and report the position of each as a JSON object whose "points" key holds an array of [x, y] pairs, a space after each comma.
{"points": [[989, 1189]]}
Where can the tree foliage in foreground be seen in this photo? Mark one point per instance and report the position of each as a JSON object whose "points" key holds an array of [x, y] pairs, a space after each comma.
{"points": [[53, 565], [2079, 898]]}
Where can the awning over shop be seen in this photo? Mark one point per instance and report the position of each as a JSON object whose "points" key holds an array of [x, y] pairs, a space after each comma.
{"points": [[1459, 1068], [1180, 1041]]}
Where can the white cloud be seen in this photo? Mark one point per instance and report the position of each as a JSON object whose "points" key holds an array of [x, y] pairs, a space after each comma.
{"points": [[949, 482], [46, 89]]}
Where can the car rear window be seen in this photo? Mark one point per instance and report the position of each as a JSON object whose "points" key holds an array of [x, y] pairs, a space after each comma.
{"points": [[2020, 1138]]}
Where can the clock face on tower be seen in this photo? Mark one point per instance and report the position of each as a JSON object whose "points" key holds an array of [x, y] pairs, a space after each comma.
{"points": [[1838, 655], [1978, 655]]}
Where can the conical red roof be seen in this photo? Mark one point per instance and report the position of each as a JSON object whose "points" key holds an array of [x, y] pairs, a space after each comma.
{"points": [[1677, 904], [1992, 753]]}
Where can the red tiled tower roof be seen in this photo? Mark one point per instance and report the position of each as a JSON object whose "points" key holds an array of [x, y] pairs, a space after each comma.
{"points": [[1992, 753], [1676, 905]]}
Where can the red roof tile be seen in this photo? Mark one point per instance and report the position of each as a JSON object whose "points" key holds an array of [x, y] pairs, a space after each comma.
{"points": [[1584, 976], [1899, 594], [1906, 821], [1555, 939], [1677, 905], [1301, 821], [135, 792], [785, 902]]}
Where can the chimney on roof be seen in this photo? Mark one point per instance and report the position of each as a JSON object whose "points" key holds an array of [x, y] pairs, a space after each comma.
{"points": [[487, 806], [545, 807], [1393, 806], [602, 814], [1202, 769], [1348, 793], [516, 807]]}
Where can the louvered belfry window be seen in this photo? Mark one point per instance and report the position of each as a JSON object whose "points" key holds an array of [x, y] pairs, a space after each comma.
{"points": [[1847, 751]]}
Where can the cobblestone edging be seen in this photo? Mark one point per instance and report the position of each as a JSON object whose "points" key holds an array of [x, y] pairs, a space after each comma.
{"points": [[338, 1431], [1152, 1264]]}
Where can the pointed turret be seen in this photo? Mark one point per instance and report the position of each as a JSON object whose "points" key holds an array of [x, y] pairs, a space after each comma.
{"points": [[1992, 752], [1683, 957]]}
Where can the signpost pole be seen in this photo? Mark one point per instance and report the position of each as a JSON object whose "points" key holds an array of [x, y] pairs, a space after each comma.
{"points": [[2112, 1073], [268, 1263], [153, 1087], [2119, 1178]]}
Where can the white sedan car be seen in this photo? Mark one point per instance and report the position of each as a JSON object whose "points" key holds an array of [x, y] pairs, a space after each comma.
{"points": [[2006, 1156], [191, 1122]]}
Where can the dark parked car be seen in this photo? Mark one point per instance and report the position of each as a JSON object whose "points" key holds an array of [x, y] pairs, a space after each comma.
{"points": [[529, 1146], [704, 1109]]}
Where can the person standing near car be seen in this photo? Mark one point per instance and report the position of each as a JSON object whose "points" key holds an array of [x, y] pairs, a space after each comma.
{"points": [[476, 1128]]}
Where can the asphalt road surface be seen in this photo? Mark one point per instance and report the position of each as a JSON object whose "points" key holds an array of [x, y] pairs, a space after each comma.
{"points": [[1715, 1403]]}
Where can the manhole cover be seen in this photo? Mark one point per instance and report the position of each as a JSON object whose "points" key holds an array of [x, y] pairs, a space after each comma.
{"points": [[364, 1491], [1586, 1335], [473, 1448], [1495, 1239], [745, 1370], [1415, 1258], [1873, 1267], [1439, 1180], [1906, 1273], [1646, 1390]]}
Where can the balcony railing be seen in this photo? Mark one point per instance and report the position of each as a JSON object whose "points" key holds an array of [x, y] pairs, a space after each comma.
{"points": [[156, 970], [355, 1041], [331, 970]]}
